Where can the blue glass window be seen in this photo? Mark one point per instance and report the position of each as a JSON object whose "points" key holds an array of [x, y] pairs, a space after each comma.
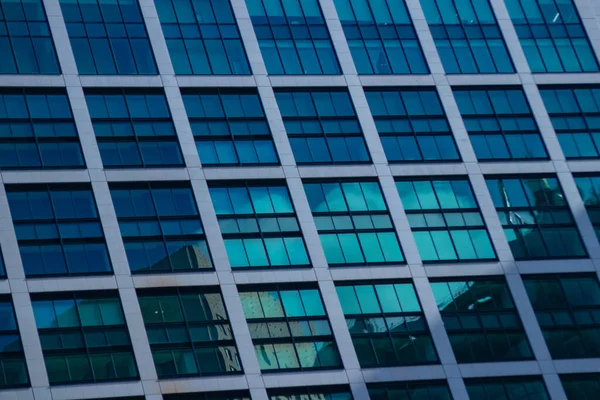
{"points": [[322, 127], [293, 37], [230, 127], [84, 337], [58, 230], [575, 115], [500, 124], [2, 269], [108, 37], [507, 388], [289, 327], [329, 392], [259, 225], [567, 308], [202, 37], [189, 332], [552, 36], [133, 128], [412, 125], [353, 223], [581, 386], [589, 189], [536, 218], [387, 324], [445, 219], [226, 395], [481, 320], [161, 227], [37, 130], [467, 36], [13, 371], [427, 390], [381, 37], [25, 39]]}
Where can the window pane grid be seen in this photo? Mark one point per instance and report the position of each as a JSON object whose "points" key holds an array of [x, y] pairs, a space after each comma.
{"points": [[37, 130], [293, 37], [13, 371], [161, 227], [353, 223], [412, 125], [552, 36], [575, 116], [381, 37], [500, 124], [387, 325], [189, 332], [133, 128], [589, 189], [202, 37], [537, 221], [567, 308], [330, 392], [108, 37], [259, 225], [58, 230], [482, 321], [322, 127], [230, 128], [289, 328], [446, 221], [467, 36], [581, 386], [507, 388], [431, 390], [25, 40], [84, 337]]}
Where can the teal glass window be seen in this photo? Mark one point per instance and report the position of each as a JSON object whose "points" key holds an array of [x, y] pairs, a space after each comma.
{"points": [[189, 332], [428, 390], [536, 218], [161, 227], [259, 225], [445, 219], [133, 128], [108, 37], [289, 327], [322, 126], [581, 386], [500, 124], [575, 116], [412, 125], [58, 230], [293, 37], [25, 39], [567, 308], [230, 127], [467, 36], [330, 392], [353, 222], [381, 37], [13, 371], [37, 130], [202, 37], [481, 320], [552, 36], [589, 189], [387, 324], [84, 337], [508, 388], [225, 395]]}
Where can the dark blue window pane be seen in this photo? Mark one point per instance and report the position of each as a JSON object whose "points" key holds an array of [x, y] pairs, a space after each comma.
{"points": [[507, 388], [58, 230], [552, 36], [500, 123], [230, 127], [589, 189], [133, 128], [467, 36], [431, 390], [293, 37], [381, 37], [108, 38], [581, 386], [12, 358]]}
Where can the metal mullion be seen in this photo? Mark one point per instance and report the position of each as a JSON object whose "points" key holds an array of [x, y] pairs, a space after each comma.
{"points": [[80, 327]]}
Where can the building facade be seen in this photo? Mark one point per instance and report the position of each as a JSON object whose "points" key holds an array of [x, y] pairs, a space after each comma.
{"points": [[300, 199]]}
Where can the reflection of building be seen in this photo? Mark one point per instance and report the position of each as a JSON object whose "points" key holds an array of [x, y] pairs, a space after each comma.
{"points": [[186, 257]]}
